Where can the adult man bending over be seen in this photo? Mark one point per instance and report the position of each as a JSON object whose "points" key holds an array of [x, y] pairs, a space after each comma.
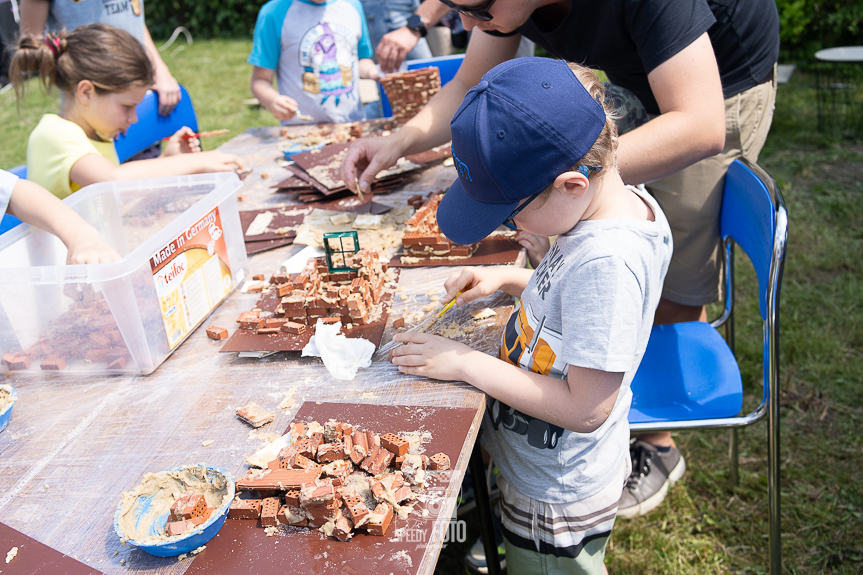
{"points": [[681, 58]]}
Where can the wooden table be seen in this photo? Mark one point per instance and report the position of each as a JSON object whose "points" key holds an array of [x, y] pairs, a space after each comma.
{"points": [[76, 443]]}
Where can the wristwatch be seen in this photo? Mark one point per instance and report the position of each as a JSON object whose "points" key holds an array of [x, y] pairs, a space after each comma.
{"points": [[415, 24]]}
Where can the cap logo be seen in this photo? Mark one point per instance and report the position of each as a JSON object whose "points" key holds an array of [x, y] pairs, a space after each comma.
{"points": [[461, 167]]}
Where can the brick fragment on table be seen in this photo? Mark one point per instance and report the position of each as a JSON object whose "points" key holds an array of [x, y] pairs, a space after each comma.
{"points": [[254, 415], [216, 332], [378, 525], [16, 361], [342, 529], [439, 462], [395, 444], [269, 510], [53, 364]]}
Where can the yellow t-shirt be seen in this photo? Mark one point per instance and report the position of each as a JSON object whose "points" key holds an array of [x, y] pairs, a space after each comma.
{"points": [[54, 147]]}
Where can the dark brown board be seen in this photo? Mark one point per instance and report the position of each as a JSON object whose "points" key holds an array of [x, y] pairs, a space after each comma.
{"points": [[491, 251], [36, 558], [258, 247], [280, 220], [247, 340], [242, 546]]}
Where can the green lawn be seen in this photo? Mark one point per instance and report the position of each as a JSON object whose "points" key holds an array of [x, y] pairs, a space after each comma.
{"points": [[706, 525]]}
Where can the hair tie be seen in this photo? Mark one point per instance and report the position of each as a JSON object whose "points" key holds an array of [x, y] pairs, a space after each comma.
{"points": [[53, 45]]}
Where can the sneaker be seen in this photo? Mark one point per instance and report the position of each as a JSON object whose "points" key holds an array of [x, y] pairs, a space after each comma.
{"points": [[653, 471]]}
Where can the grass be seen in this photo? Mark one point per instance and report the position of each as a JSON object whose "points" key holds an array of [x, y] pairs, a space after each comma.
{"points": [[705, 525]]}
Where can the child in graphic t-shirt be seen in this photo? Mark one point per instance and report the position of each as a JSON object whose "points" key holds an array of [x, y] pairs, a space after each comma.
{"points": [[535, 150], [317, 50]]}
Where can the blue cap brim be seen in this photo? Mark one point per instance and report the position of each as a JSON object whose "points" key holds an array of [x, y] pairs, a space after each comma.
{"points": [[464, 220]]}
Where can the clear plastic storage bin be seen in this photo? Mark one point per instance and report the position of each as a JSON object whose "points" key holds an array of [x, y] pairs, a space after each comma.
{"points": [[182, 253]]}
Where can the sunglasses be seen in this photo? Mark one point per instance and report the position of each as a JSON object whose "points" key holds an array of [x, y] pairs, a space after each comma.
{"points": [[510, 221], [480, 13]]}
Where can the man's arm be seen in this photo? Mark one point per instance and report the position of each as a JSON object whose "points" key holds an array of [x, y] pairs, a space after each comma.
{"points": [[164, 83], [430, 127], [691, 126], [34, 16], [394, 46]]}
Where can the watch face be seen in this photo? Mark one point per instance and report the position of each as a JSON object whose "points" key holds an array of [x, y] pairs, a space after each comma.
{"points": [[415, 23]]}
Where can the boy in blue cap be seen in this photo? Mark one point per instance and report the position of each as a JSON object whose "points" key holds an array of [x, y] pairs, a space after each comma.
{"points": [[535, 149]]}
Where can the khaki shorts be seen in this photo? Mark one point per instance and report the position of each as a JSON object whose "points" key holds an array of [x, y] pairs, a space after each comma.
{"points": [[692, 198]]}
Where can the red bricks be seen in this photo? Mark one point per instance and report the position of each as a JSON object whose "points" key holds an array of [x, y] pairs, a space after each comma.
{"points": [[53, 363], [17, 361], [269, 510], [188, 506], [245, 509], [216, 332], [439, 462], [395, 444], [381, 522]]}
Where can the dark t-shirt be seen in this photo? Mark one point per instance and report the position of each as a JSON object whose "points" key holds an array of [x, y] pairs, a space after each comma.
{"points": [[627, 39]]}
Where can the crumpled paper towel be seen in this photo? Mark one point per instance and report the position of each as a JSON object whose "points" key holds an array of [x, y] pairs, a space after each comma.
{"points": [[342, 356]]}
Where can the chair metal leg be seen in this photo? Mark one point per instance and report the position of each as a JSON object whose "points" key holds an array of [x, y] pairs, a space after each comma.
{"points": [[733, 456], [773, 492], [483, 507]]}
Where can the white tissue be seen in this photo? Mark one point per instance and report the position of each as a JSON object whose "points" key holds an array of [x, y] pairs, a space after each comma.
{"points": [[342, 356]]}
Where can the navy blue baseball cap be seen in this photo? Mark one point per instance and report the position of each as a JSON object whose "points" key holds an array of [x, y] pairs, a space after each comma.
{"points": [[527, 121]]}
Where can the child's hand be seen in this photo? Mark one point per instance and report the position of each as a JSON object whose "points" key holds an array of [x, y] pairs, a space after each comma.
{"points": [[216, 161], [178, 144], [283, 107], [476, 283], [536, 246], [90, 249], [430, 356]]}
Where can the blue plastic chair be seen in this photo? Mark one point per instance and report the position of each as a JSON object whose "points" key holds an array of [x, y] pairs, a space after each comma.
{"points": [[689, 377], [447, 67], [9, 221], [151, 127]]}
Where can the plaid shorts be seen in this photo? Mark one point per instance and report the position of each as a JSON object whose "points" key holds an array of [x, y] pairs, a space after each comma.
{"points": [[544, 537]]}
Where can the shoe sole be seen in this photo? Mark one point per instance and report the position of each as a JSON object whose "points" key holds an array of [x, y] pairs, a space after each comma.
{"points": [[654, 500]]}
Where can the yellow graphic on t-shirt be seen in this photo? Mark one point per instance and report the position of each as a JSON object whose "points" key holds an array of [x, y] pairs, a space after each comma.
{"points": [[529, 343]]}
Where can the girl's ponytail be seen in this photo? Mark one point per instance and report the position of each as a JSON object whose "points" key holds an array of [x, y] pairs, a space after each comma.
{"points": [[35, 55], [112, 59]]}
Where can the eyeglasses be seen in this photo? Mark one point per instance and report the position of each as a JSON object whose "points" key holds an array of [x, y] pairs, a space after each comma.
{"points": [[510, 221], [480, 13]]}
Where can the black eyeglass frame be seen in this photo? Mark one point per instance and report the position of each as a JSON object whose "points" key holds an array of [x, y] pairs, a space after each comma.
{"points": [[510, 221], [480, 13]]}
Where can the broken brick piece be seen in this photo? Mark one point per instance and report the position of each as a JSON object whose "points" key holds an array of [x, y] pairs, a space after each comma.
{"points": [[53, 364], [254, 415], [331, 451], [216, 332], [439, 462], [292, 497], [17, 360], [188, 506], [269, 510], [399, 322], [175, 528], [316, 492], [394, 444], [342, 529], [245, 509], [294, 328], [118, 363], [292, 515], [356, 507], [378, 525]]}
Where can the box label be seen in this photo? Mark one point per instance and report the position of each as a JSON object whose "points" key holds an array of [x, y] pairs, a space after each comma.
{"points": [[192, 276]]}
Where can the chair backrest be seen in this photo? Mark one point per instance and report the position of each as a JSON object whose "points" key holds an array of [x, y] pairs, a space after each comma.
{"points": [[151, 127], [9, 221], [751, 206], [447, 67]]}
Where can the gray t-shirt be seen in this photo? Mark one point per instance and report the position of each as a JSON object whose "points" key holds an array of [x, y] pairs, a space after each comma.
{"points": [[589, 303], [127, 15]]}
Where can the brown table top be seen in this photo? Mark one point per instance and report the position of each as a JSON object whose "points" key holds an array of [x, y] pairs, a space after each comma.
{"points": [[75, 443]]}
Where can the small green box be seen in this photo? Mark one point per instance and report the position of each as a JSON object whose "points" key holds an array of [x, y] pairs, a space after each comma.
{"points": [[339, 247]]}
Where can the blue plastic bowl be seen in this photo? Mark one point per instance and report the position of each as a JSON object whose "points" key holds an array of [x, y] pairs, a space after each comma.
{"points": [[192, 540], [6, 414]]}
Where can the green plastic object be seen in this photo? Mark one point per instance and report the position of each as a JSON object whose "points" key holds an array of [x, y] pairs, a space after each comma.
{"points": [[340, 246]]}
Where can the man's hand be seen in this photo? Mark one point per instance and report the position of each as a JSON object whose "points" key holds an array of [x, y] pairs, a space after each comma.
{"points": [[430, 356], [368, 156], [394, 47], [168, 90]]}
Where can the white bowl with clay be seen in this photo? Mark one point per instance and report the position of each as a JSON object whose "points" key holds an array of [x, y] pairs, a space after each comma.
{"points": [[143, 512], [8, 397]]}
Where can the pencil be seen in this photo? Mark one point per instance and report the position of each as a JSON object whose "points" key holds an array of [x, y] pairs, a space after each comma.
{"points": [[200, 134]]}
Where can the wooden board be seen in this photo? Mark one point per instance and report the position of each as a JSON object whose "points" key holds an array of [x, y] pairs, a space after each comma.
{"points": [[491, 251], [247, 340], [242, 546], [258, 247], [35, 558], [280, 220]]}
